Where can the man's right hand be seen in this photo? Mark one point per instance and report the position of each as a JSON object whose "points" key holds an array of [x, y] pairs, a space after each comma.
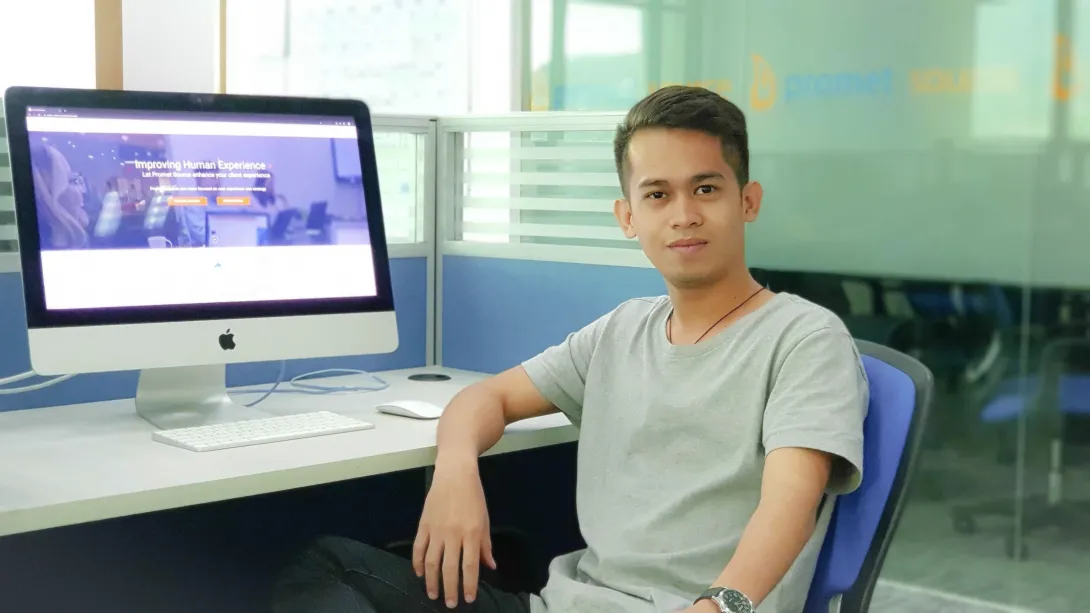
{"points": [[453, 538]]}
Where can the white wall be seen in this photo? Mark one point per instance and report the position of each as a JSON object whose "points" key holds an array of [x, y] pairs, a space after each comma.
{"points": [[171, 46], [38, 49], [491, 55]]}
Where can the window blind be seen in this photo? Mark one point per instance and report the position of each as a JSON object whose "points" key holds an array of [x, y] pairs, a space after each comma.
{"points": [[8, 238], [537, 184]]}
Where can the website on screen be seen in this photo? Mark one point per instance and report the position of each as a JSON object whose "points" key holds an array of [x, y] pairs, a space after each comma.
{"points": [[172, 208]]}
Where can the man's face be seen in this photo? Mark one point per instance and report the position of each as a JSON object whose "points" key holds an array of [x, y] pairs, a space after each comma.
{"points": [[685, 206]]}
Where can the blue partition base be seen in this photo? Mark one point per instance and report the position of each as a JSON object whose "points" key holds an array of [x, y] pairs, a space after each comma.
{"points": [[224, 557], [410, 281], [216, 558], [499, 312]]}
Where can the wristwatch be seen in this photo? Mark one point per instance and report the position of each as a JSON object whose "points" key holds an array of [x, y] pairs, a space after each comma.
{"points": [[728, 600]]}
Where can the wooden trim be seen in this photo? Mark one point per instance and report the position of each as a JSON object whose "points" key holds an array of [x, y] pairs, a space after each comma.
{"points": [[109, 57], [221, 86]]}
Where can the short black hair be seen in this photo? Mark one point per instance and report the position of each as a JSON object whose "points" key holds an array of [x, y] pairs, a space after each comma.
{"points": [[687, 108]]}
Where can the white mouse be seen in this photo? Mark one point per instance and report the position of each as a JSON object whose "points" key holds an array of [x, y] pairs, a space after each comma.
{"points": [[417, 409]]}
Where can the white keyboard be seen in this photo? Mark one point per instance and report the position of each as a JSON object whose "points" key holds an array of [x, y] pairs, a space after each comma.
{"points": [[258, 431]]}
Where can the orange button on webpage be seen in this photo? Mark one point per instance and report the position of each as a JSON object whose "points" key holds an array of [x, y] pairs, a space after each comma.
{"points": [[233, 200], [187, 201]]}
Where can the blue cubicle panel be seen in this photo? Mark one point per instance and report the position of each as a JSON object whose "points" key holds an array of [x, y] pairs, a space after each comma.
{"points": [[410, 283], [498, 312]]}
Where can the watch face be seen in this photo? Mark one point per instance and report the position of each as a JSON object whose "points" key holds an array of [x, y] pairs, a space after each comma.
{"points": [[736, 602]]}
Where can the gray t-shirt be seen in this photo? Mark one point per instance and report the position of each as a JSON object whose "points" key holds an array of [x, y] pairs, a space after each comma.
{"points": [[673, 441]]}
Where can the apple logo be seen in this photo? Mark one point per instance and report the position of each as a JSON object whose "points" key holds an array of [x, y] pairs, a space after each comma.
{"points": [[227, 340]]}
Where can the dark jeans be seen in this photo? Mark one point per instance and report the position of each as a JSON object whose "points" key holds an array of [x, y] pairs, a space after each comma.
{"points": [[338, 575]]}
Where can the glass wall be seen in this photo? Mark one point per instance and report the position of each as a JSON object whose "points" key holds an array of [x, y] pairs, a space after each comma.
{"points": [[927, 171]]}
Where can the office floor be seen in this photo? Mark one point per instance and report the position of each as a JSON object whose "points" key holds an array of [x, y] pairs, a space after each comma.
{"points": [[931, 565], [895, 597]]}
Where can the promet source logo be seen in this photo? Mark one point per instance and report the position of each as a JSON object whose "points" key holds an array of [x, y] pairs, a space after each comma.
{"points": [[765, 87], [1064, 83]]}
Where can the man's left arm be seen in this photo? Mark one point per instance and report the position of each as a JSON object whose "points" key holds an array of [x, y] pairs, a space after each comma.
{"points": [[813, 441]]}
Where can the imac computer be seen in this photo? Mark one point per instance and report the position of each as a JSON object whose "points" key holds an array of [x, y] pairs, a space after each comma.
{"points": [[149, 239]]}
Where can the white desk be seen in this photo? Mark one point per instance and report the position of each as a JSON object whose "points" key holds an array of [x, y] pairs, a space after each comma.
{"points": [[68, 465]]}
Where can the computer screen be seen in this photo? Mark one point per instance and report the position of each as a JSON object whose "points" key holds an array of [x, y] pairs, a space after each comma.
{"points": [[169, 230], [144, 208]]}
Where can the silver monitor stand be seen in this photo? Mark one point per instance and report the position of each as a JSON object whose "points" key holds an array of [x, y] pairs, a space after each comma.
{"points": [[184, 397]]}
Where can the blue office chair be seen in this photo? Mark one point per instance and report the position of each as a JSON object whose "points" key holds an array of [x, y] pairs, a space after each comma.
{"points": [[1048, 400], [864, 521]]}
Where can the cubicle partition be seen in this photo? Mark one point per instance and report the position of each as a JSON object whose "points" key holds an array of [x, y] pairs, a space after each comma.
{"points": [[406, 153], [498, 312]]}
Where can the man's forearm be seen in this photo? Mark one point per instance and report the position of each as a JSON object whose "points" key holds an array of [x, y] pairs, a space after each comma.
{"points": [[471, 424], [792, 486], [771, 542]]}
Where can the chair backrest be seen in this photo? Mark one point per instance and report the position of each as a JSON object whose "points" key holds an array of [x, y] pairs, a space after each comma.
{"points": [[863, 522]]}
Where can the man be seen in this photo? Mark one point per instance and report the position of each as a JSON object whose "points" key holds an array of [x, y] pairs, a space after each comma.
{"points": [[716, 423]]}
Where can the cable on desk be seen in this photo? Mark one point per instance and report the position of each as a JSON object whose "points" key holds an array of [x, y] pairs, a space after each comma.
{"points": [[297, 382], [11, 391], [17, 378], [271, 390], [299, 386]]}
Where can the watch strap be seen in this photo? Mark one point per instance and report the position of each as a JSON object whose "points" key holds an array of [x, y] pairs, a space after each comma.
{"points": [[710, 595]]}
